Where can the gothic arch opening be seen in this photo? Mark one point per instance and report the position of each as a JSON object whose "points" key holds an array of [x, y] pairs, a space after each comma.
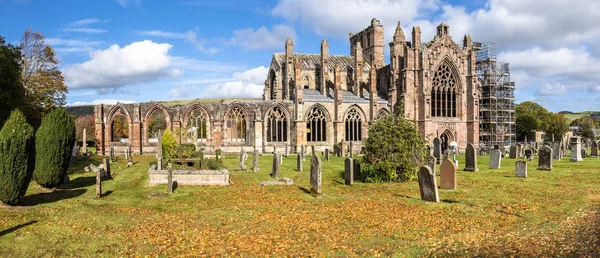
{"points": [[156, 120], [272, 84], [236, 124], [119, 129], [277, 125], [306, 82], [443, 92], [446, 138], [196, 125], [316, 125], [353, 125]]}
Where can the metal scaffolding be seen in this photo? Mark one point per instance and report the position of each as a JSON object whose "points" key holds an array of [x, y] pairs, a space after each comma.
{"points": [[497, 104]]}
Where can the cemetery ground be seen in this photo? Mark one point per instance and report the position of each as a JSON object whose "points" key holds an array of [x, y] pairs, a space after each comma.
{"points": [[492, 213]]}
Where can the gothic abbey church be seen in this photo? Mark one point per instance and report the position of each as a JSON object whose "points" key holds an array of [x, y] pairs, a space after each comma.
{"points": [[322, 99]]}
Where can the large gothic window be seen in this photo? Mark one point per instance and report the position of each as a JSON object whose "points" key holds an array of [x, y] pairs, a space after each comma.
{"points": [[443, 93], [197, 125], [353, 126], [277, 126], [235, 121], [316, 125], [273, 85]]}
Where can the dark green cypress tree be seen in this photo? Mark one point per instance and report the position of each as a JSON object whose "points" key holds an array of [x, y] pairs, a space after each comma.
{"points": [[54, 143], [16, 157]]}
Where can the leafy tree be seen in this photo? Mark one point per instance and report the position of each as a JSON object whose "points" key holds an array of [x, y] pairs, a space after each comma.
{"points": [[44, 84], [89, 124], [169, 146], [12, 93], [157, 122], [54, 143], [394, 150], [531, 116], [120, 128], [17, 157], [557, 126], [586, 127]]}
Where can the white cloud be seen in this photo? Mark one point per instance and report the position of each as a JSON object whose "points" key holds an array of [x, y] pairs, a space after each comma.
{"points": [[101, 101], [551, 89], [114, 67], [163, 34], [86, 30], [72, 45], [247, 84], [82, 26], [180, 92], [263, 38], [127, 3]]}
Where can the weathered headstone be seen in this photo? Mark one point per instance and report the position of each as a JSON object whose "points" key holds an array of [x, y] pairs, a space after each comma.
{"points": [[84, 142], [170, 179], [275, 171], [129, 157], [98, 184], [519, 150], [356, 170], [287, 149], [556, 155], [428, 185], [594, 152], [448, 175], [545, 158], [315, 175], [327, 154], [241, 160], [521, 168], [74, 153], [255, 161], [431, 160], [299, 162], [312, 150], [446, 154], [107, 166], [495, 159], [343, 149], [471, 158], [303, 151], [576, 149], [583, 152], [112, 153], [349, 171], [437, 150], [512, 154], [159, 152]]}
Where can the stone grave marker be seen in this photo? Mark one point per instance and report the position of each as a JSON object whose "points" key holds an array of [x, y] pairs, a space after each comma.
{"points": [[343, 149], [446, 154], [129, 157], [556, 155], [356, 170], [275, 171], [159, 152], [98, 184], [107, 166], [431, 160], [583, 152], [519, 150], [327, 154], [512, 153], [170, 179], [521, 168], [241, 160], [303, 151], [594, 152], [471, 158], [74, 153], [545, 158], [495, 159], [428, 185], [349, 171], [84, 142], [437, 150], [312, 150], [255, 161], [448, 175], [287, 150], [315, 176], [576, 149], [299, 162]]}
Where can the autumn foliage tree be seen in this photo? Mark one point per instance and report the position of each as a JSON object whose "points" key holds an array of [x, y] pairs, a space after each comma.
{"points": [[54, 142], [44, 83], [17, 157], [88, 123]]}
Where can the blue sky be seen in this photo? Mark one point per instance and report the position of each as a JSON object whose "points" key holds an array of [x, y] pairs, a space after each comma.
{"points": [[142, 50]]}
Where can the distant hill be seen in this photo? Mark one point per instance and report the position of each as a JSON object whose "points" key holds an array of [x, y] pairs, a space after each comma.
{"points": [[574, 115], [79, 111]]}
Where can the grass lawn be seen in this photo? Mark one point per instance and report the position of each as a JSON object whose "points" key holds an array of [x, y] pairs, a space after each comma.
{"points": [[492, 213]]}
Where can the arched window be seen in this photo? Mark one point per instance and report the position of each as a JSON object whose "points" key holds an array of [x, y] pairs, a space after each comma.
{"points": [[316, 126], [197, 125], [368, 39], [382, 113], [443, 93], [273, 85], [235, 121], [353, 126], [277, 126], [306, 82], [119, 129]]}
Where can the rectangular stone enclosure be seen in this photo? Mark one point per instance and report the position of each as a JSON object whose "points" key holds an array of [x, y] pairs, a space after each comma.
{"points": [[189, 177]]}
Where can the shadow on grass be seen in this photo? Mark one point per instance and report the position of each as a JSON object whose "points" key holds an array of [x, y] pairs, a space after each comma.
{"points": [[57, 195], [406, 196], [15, 228], [304, 189], [81, 182], [107, 193]]}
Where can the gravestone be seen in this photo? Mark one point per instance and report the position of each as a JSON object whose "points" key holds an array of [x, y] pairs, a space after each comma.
{"points": [[471, 158], [312, 150], [448, 175], [583, 152], [303, 151], [327, 154], [170, 179], [275, 171], [556, 155], [495, 159], [315, 176], [437, 150], [349, 171], [241, 160], [512, 154], [594, 152], [343, 149], [84, 142], [545, 158], [74, 153], [428, 185], [255, 161], [446, 154], [129, 157], [112, 153], [521, 168], [98, 184], [299, 163], [107, 166], [159, 152], [576, 149], [287, 150], [356, 170], [519, 150], [431, 160], [529, 153]]}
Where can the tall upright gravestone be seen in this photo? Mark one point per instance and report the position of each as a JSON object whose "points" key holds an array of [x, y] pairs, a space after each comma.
{"points": [[471, 158], [242, 159], [84, 142], [437, 150], [495, 159], [448, 175], [327, 154], [349, 171], [315, 176], [299, 162], [594, 152], [545, 158], [275, 172], [431, 160], [556, 151], [159, 153], [512, 154], [576, 149], [428, 185], [255, 161]]}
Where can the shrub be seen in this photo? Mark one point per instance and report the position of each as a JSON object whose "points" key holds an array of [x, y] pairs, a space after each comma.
{"points": [[16, 157], [54, 142], [218, 153], [213, 164], [169, 146], [394, 150], [185, 151]]}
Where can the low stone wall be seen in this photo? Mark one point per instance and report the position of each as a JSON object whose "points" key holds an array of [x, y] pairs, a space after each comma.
{"points": [[189, 177]]}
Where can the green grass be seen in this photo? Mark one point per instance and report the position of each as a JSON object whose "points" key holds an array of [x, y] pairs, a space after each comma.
{"points": [[492, 213]]}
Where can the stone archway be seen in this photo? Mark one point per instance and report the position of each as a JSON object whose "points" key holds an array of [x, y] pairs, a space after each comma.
{"points": [[445, 139]]}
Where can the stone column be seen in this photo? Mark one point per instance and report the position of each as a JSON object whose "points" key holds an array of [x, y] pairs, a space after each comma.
{"points": [[98, 184], [84, 142], [170, 179]]}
